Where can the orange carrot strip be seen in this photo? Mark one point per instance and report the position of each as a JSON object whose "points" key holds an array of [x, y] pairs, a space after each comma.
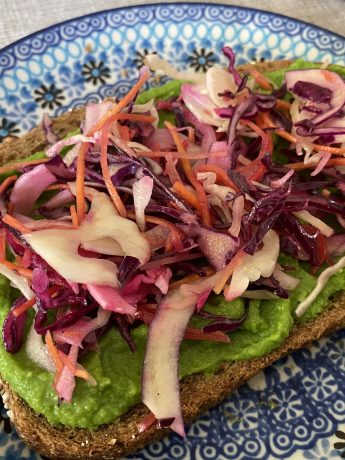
{"points": [[77, 371], [14, 223], [10, 208], [26, 272], [309, 165], [187, 195], [192, 278], [171, 169], [289, 137], [8, 181], [169, 247], [55, 355], [18, 260], [134, 117], [222, 176], [267, 144], [204, 208], [24, 307], [176, 234], [177, 155], [283, 105], [106, 173], [227, 271], [74, 216], [2, 247], [58, 187], [260, 78], [121, 104], [124, 131], [80, 179], [21, 164]]}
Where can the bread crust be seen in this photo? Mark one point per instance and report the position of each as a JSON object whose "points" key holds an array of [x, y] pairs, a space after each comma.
{"points": [[198, 392]]}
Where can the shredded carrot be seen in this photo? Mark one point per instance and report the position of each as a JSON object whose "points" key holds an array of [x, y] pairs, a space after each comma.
{"points": [[124, 132], [121, 104], [170, 168], [21, 164], [289, 137], [2, 247], [203, 203], [24, 307], [58, 187], [227, 271], [192, 278], [178, 155], [74, 216], [176, 234], [8, 181], [26, 272], [267, 143], [222, 176], [187, 195], [18, 260], [310, 165], [106, 173], [260, 78], [10, 208], [80, 179], [14, 223], [283, 105], [168, 244], [55, 355], [78, 371]]}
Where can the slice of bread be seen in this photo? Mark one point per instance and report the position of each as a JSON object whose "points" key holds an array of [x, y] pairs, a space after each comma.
{"points": [[198, 392]]}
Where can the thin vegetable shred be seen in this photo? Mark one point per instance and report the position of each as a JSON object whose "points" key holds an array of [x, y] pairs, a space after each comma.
{"points": [[157, 206]]}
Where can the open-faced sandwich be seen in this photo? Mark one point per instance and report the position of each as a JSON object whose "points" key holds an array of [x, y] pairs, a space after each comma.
{"points": [[158, 251]]}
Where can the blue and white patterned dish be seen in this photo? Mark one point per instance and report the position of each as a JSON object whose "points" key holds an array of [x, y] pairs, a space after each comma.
{"points": [[296, 408]]}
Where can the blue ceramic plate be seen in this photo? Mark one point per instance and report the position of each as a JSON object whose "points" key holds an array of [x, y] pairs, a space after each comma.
{"points": [[293, 410]]}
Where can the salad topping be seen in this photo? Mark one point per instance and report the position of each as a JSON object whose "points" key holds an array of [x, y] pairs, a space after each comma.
{"points": [[154, 206]]}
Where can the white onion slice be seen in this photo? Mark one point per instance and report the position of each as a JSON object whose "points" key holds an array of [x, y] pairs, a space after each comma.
{"points": [[321, 282], [315, 222], [17, 281], [251, 267], [160, 383], [155, 63], [59, 248]]}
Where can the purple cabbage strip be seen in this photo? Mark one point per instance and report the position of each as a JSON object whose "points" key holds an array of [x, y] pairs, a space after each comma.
{"points": [[126, 269], [13, 328], [57, 167], [67, 320], [312, 92], [123, 327], [225, 324], [230, 55], [119, 156]]}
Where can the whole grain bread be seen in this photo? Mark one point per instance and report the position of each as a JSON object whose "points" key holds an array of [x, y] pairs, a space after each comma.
{"points": [[198, 392]]}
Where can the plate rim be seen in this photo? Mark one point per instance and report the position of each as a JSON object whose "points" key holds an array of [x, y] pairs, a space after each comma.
{"points": [[150, 5]]}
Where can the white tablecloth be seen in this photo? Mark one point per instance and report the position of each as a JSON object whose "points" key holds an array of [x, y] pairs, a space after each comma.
{"points": [[19, 18]]}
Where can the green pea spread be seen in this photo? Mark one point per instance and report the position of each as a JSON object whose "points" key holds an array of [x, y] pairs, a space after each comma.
{"points": [[118, 370]]}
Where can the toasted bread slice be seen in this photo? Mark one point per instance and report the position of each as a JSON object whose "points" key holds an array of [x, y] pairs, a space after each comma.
{"points": [[198, 392]]}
